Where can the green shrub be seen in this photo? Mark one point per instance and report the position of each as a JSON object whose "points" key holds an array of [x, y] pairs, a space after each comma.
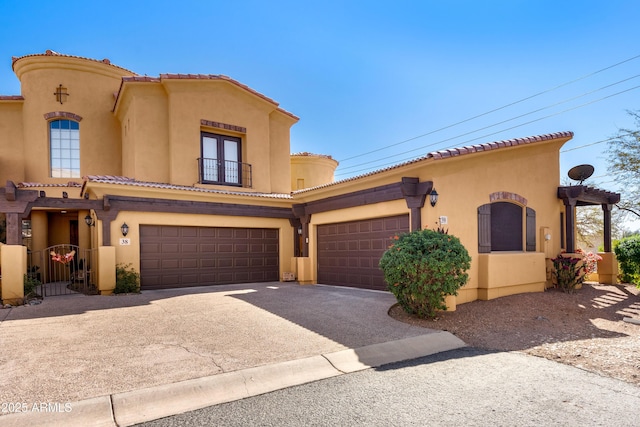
{"points": [[628, 254], [30, 283], [422, 267], [127, 279]]}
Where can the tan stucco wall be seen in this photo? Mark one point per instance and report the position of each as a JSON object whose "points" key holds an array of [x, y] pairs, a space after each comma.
{"points": [[14, 266], [11, 141], [265, 145], [311, 170], [144, 119], [91, 86], [464, 184]]}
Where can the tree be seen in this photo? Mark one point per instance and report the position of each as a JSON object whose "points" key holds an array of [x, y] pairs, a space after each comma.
{"points": [[590, 226], [624, 164]]}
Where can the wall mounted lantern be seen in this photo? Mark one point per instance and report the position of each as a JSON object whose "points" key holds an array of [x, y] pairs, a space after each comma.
{"points": [[89, 221], [124, 228], [433, 197]]}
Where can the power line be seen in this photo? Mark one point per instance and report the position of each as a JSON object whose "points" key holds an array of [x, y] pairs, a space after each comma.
{"points": [[480, 137], [494, 110], [496, 124]]}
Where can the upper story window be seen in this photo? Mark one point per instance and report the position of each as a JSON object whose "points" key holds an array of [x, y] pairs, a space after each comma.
{"points": [[500, 228], [220, 162], [64, 140]]}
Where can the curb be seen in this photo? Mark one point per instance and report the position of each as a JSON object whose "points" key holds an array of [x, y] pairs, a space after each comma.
{"points": [[133, 407]]}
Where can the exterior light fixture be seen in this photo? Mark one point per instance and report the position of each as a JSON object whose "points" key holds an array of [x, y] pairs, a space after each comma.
{"points": [[433, 197], [300, 230], [124, 228], [89, 221]]}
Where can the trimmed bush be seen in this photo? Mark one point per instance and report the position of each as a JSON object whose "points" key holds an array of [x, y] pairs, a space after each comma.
{"points": [[628, 254], [127, 280], [422, 267]]}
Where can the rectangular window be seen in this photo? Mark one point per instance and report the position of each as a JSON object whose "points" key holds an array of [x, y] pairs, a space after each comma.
{"points": [[64, 142], [221, 159]]}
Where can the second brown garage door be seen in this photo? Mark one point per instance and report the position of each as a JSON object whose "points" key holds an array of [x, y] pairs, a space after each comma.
{"points": [[173, 256], [349, 252]]}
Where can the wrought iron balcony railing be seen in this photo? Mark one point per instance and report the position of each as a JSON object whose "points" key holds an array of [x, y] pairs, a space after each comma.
{"points": [[224, 172]]}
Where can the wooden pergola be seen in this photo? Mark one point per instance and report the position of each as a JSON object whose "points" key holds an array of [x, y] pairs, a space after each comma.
{"points": [[582, 195]]}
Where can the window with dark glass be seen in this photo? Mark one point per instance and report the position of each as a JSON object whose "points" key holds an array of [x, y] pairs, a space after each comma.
{"points": [[64, 142], [506, 227], [220, 159], [500, 228]]}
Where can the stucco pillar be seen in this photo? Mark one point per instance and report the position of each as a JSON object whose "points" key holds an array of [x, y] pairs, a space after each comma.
{"points": [[608, 268], [39, 230], [570, 215], [106, 269], [14, 229], [305, 220], [13, 259], [606, 208]]}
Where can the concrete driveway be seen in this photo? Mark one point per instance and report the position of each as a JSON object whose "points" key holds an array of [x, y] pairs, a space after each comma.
{"points": [[73, 348]]}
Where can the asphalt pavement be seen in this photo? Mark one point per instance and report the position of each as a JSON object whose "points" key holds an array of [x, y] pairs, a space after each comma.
{"points": [[464, 387]]}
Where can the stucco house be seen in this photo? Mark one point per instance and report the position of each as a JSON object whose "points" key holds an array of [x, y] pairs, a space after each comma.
{"points": [[190, 179]]}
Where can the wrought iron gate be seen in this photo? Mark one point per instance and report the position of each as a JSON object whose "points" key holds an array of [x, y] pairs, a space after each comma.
{"points": [[63, 270]]}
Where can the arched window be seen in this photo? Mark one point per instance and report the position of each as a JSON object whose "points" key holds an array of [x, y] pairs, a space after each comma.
{"points": [[500, 228], [64, 142]]}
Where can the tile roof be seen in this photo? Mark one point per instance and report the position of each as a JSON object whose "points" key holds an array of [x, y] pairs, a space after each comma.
{"points": [[455, 152], [11, 98], [53, 53], [38, 184], [123, 180], [137, 78], [171, 76], [307, 154]]}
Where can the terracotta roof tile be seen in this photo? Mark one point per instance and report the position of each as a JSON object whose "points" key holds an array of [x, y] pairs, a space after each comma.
{"points": [[228, 79], [53, 53], [307, 154], [455, 152], [122, 180], [11, 98], [38, 184]]}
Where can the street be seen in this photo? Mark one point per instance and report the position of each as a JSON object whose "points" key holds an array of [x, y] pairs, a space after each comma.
{"points": [[468, 387]]}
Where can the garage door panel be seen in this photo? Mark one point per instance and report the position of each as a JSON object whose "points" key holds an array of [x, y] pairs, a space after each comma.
{"points": [[177, 256], [349, 252]]}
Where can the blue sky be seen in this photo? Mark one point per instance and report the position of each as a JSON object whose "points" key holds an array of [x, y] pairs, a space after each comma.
{"points": [[382, 78]]}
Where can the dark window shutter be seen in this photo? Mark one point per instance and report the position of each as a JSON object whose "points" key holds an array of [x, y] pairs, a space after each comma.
{"points": [[531, 230], [484, 229], [506, 227]]}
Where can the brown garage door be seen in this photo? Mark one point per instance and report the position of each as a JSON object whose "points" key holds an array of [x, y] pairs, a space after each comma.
{"points": [[172, 256], [349, 252]]}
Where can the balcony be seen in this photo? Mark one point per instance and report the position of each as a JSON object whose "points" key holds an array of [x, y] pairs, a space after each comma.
{"points": [[224, 172]]}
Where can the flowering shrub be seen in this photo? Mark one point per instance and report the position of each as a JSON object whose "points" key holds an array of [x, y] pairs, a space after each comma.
{"points": [[569, 272], [422, 267], [590, 261]]}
